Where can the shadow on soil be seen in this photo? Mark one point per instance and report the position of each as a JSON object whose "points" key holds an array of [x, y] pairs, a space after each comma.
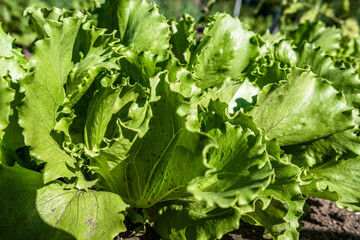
{"points": [[326, 235]]}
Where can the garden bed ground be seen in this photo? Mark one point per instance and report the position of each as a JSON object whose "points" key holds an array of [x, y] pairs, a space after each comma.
{"points": [[324, 222]]}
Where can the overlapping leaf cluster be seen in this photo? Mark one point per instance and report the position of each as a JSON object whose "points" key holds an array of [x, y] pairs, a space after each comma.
{"points": [[122, 113], [11, 15]]}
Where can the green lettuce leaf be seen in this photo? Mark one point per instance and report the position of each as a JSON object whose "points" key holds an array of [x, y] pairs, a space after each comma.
{"points": [[11, 70], [240, 163], [7, 95], [303, 109], [309, 57], [239, 95], [19, 216], [44, 90], [225, 51], [140, 66], [83, 214], [12, 61], [316, 32], [194, 220], [280, 206], [7, 48], [13, 133], [342, 145], [131, 19], [182, 37], [102, 106], [267, 70], [341, 177]]}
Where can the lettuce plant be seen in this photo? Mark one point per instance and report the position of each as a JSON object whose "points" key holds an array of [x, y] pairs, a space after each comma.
{"points": [[121, 113]]}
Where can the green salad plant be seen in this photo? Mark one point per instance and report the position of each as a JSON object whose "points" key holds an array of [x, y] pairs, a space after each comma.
{"points": [[122, 115]]}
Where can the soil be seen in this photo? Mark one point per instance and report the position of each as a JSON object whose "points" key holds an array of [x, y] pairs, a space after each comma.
{"points": [[324, 222], [26, 53]]}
